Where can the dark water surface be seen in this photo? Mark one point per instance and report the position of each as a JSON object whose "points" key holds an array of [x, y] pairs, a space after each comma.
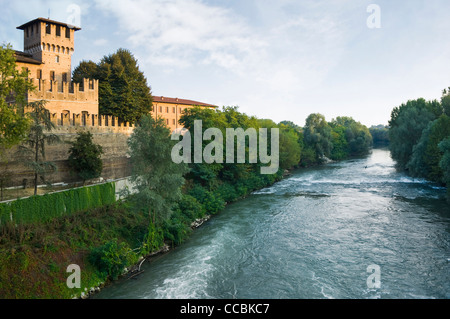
{"points": [[313, 235]]}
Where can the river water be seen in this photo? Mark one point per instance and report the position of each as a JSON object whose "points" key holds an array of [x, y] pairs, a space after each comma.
{"points": [[314, 235]]}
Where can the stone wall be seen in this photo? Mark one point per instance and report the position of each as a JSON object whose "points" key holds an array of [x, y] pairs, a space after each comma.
{"points": [[115, 160]]}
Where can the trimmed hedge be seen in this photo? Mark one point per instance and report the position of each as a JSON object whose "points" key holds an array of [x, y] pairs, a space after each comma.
{"points": [[41, 209]]}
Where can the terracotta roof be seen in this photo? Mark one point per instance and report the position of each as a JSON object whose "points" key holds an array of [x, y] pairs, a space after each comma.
{"points": [[164, 99], [25, 57], [23, 26]]}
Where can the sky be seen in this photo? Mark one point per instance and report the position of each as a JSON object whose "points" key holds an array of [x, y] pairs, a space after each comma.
{"points": [[280, 60]]}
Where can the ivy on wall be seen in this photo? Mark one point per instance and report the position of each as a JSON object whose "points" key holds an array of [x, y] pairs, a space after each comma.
{"points": [[41, 209]]}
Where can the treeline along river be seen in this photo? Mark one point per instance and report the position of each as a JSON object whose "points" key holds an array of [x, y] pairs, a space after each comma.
{"points": [[314, 235]]}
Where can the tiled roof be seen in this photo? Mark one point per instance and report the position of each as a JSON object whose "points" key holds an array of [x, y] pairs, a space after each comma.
{"points": [[25, 57], [23, 26], [163, 99]]}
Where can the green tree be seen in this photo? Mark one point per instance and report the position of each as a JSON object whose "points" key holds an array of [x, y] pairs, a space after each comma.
{"points": [[85, 70], [317, 136], [406, 125], [445, 101], [123, 88], [380, 135], [158, 180], [444, 147], [85, 157], [290, 147], [33, 148], [426, 154], [13, 124]]}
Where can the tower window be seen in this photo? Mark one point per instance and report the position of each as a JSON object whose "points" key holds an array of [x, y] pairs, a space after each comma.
{"points": [[52, 75], [64, 77], [67, 33], [57, 59], [39, 74], [58, 31], [47, 28]]}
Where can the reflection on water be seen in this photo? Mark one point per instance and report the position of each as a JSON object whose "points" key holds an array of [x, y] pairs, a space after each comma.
{"points": [[313, 235]]}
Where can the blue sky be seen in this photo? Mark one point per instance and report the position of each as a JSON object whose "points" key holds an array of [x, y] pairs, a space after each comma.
{"points": [[281, 60]]}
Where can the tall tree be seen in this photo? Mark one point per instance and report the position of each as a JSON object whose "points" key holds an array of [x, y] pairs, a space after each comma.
{"points": [[13, 124], [123, 88], [85, 157], [317, 136], [33, 149], [158, 180], [85, 70], [406, 126]]}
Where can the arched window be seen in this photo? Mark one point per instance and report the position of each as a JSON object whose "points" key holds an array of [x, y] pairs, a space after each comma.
{"points": [[53, 47], [58, 49]]}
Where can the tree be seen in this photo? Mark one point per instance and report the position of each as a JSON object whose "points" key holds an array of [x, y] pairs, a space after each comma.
{"points": [[158, 180], [406, 126], [33, 149], [426, 154], [445, 101], [444, 147], [85, 157], [123, 89], [13, 124], [85, 70], [317, 136], [380, 135]]}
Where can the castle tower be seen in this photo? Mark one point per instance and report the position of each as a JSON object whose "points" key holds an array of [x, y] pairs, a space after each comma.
{"points": [[52, 43]]}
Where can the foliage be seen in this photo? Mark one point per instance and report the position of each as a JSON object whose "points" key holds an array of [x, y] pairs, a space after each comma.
{"points": [[85, 156], [42, 209], [380, 135], [111, 258], [406, 126], [158, 180], [444, 147], [426, 155], [33, 148], [13, 124], [317, 136], [123, 88]]}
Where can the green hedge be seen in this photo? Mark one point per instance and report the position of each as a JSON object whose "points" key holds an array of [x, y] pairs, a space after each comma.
{"points": [[40, 209]]}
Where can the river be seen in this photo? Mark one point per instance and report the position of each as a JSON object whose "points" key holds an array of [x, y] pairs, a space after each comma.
{"points": [[313, 236]]}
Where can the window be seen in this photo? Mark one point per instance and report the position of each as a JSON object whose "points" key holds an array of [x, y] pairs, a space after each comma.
{"points": [[52, 75], [167, 122], [173, 109], [58, 31], [167, 110], [173, 122], [39, 74], [57, 59], [64, 77], [67, 33], [48, 28], [160, 109]]}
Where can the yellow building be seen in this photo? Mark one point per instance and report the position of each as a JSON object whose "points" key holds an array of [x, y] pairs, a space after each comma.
{"points": [[47, 55], [170, 109]]}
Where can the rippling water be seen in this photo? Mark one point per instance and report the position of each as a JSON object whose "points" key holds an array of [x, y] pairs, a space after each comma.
{"points": [[313, 235]]}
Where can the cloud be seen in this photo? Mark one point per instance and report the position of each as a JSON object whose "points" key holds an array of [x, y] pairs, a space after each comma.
{"points": [[177, 33]]}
